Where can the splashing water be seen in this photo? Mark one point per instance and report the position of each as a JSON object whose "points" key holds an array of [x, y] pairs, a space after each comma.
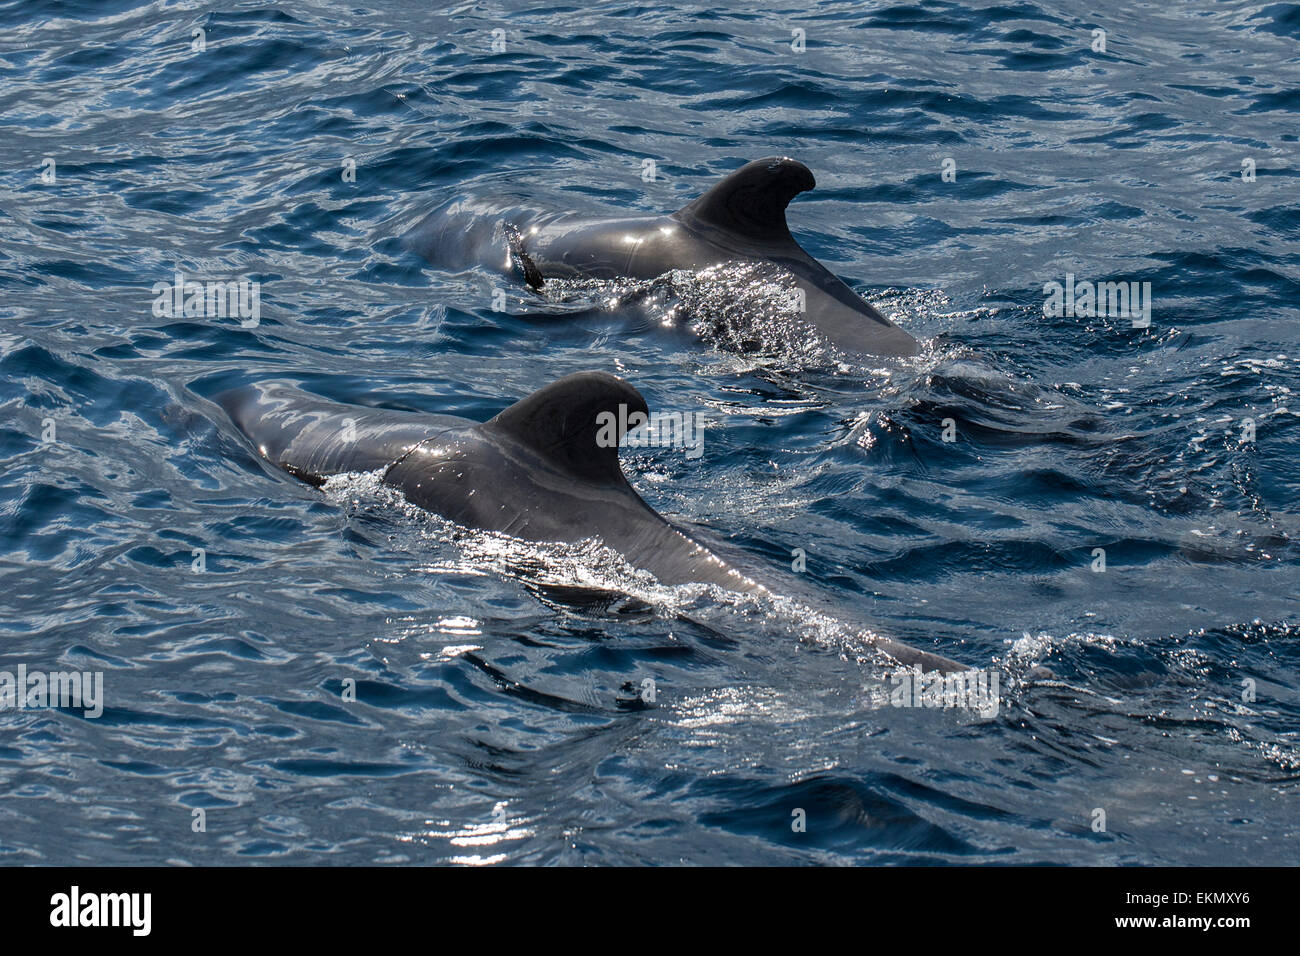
{"points": [[736, 306]]}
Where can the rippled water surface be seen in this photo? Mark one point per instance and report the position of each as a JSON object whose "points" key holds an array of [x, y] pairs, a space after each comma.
{"points": [[501, 711]]}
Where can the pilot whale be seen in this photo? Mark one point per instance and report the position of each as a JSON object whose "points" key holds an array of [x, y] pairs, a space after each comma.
{"points": [[740, 219], [546, 470]]}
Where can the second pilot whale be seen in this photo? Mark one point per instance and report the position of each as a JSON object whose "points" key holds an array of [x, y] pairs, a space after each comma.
{"points": [[740, 219]]}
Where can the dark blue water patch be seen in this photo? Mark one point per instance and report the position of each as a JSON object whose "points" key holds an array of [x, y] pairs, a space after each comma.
{"points": [[843, 816], [1280, 18], [317, 711], [1283, 101], [342, 768]]}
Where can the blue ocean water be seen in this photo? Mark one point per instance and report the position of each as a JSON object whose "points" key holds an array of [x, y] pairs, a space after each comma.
{"points": [[231, 609]]}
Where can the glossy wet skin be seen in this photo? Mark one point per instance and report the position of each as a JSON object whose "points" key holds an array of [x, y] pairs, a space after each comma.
{"points": [[487, 481], [476, 474], [531, 472], [649, 247]]}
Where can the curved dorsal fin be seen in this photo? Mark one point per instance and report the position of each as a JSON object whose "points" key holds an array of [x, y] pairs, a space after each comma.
{"points": [[576, 423], [752, 200]]}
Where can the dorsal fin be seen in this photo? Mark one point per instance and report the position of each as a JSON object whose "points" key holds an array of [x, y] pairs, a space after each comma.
{"points": [[752, 200], [576, 423]]}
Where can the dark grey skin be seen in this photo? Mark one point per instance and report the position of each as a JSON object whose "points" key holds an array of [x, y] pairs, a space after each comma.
{"points": [[740, 219], [538, 471]]}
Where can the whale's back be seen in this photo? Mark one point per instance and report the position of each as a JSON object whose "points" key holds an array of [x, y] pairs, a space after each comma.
{"points": [[313, 438]]}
